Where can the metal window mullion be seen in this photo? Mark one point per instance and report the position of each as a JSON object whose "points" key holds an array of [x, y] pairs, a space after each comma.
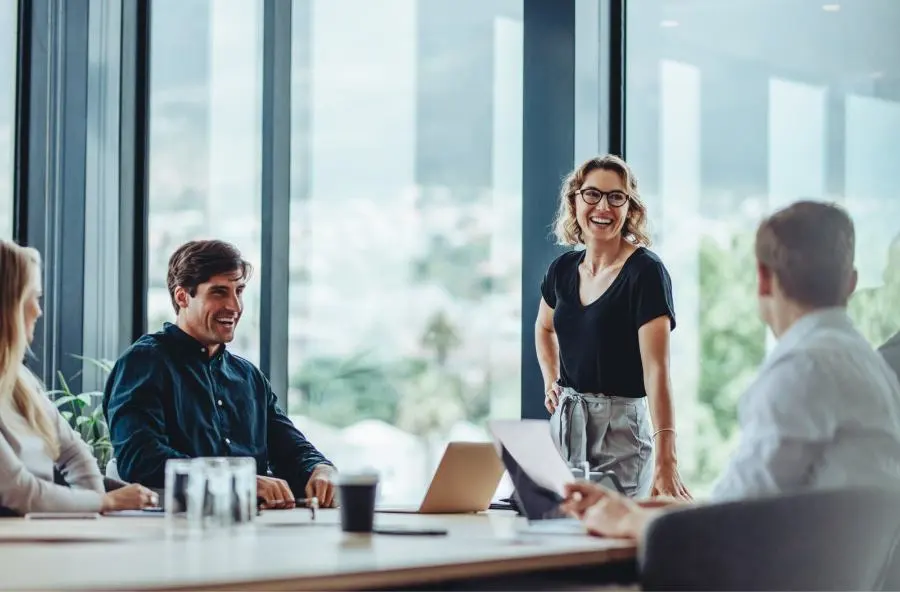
{"points": [[276, 185]]}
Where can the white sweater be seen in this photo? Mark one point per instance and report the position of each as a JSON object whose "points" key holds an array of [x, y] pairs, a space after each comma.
{"points": [[26, 469]]}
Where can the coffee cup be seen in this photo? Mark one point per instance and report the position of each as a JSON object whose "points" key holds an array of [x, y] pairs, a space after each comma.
{"points": [[357, 493]]}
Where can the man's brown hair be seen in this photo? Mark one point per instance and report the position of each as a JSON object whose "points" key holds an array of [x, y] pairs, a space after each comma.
{"points": [[809, 246], [196, 262]]}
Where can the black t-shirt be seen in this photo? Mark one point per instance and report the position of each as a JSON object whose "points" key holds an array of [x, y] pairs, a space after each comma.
{"points": [[598, 343]]}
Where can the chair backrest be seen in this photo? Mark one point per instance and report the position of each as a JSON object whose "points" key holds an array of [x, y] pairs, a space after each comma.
{"points": [[891, 352], [834, 540], [112, 469]]}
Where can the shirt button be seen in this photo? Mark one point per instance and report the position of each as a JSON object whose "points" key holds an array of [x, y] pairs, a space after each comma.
{"points": [[203, 350], [228, 440], [220, 402]]}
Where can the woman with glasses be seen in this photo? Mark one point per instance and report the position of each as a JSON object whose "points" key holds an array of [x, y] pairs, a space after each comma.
{"points": [[602, 335]]}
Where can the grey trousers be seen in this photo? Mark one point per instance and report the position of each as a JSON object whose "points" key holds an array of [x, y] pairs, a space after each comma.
{"points": [[610, 433]]}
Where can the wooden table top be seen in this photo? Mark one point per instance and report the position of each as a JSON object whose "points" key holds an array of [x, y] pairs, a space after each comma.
{"points": [[283, 549]]}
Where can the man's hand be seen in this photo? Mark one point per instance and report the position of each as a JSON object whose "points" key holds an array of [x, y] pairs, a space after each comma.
{"points": [[605, 512], [580, 496], [275, 493], [321, 485]]}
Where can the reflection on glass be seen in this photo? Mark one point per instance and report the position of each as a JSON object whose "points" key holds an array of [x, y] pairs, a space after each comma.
{"points": [[205, 134], [405, 229], [731, 114], [8, 39]]}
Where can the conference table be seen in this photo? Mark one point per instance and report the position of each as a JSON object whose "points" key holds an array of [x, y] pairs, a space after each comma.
{"points": [[289, 550]]}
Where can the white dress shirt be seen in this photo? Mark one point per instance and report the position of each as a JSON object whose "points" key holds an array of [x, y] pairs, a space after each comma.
{"points": [[823, 413], [26, 468]]}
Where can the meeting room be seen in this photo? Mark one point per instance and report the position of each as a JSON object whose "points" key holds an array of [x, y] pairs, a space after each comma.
{"points": [[449, 295]]}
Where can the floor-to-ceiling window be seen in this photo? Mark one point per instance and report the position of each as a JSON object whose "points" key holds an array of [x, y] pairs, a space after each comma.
{"points": [[205, 122], [405, 228], [8, 39], [734, 109], [405, 209]]}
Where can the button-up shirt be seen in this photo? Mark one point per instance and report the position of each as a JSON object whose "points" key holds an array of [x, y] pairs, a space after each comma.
{"points": [[823, 413], [168, 398]]}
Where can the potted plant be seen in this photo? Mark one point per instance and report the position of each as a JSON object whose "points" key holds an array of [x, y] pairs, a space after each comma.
{"points": [[84, 413]]}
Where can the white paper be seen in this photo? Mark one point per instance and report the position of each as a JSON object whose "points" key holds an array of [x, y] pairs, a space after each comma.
{"points": [[530, 444]]}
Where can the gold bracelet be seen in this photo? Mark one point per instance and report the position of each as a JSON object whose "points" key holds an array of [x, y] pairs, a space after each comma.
{"points": [[662, 430]]}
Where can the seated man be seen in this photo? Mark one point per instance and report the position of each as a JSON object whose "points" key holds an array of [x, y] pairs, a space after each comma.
{"points": [[179, 393], [824, 411]]}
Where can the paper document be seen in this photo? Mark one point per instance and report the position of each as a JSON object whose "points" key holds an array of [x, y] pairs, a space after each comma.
{"points": [[528, 441]]}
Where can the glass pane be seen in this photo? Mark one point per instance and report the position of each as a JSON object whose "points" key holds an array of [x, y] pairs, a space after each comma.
{"points": [[8, 39], [731, 114], [205, 134], [405, 228]]}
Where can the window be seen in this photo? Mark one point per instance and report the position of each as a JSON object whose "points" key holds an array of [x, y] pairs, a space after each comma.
{"points": [[406, 221], [205, 134], [8, 39], [731, 114]]}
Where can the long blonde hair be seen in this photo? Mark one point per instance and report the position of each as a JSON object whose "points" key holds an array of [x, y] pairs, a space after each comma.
{"points": [[18, 268], [565, 225]]}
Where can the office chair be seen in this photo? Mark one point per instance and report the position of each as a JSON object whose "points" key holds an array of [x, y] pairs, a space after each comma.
{"points": [[835, 540]]}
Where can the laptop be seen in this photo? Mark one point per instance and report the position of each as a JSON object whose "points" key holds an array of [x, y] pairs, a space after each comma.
{"points": [[465, 481], [538, 474]]}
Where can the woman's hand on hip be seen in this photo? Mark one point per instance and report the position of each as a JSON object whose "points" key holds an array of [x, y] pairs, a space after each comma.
{"points": [[552, 393]]}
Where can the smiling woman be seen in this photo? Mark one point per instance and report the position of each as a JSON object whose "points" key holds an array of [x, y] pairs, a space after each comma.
{"points": [[602, 334]]}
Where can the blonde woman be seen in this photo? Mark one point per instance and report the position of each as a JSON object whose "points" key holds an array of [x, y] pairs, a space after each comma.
{"points": [[34, 437], [602, 334]]}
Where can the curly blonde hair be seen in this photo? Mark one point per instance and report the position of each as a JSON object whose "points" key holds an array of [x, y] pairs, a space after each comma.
{"points": [[565, 225]]}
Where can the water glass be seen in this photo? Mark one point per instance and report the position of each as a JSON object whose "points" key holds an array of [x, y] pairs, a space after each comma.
{"points": [[243, 475], [206, 494], [175, 498], [580, 469]]}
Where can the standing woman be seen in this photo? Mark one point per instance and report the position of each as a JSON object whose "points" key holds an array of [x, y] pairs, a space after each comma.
{"points": [[602, 334], [34, 437]]}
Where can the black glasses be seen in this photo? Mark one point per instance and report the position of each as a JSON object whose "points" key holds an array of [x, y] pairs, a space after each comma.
{"points": [[592, 197]]}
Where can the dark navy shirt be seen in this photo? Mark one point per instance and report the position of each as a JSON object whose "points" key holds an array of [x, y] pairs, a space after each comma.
{"points": [[599, 350], [166, 398]]}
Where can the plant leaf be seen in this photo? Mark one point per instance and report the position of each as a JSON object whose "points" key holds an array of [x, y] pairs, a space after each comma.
{"points": [[85, 398], [65, 385], [104, 365], [59, 402]]}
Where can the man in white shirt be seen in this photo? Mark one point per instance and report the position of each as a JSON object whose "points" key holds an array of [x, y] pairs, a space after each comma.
{"points": [[824, 411]]}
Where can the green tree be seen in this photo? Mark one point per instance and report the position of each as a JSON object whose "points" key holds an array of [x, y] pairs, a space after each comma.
{"points": [[732, 344], [876, 311], [341, 391]]}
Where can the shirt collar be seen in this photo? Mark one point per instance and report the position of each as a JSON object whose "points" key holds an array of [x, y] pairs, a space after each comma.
{"points": [[187, 343], [835, 317]]}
